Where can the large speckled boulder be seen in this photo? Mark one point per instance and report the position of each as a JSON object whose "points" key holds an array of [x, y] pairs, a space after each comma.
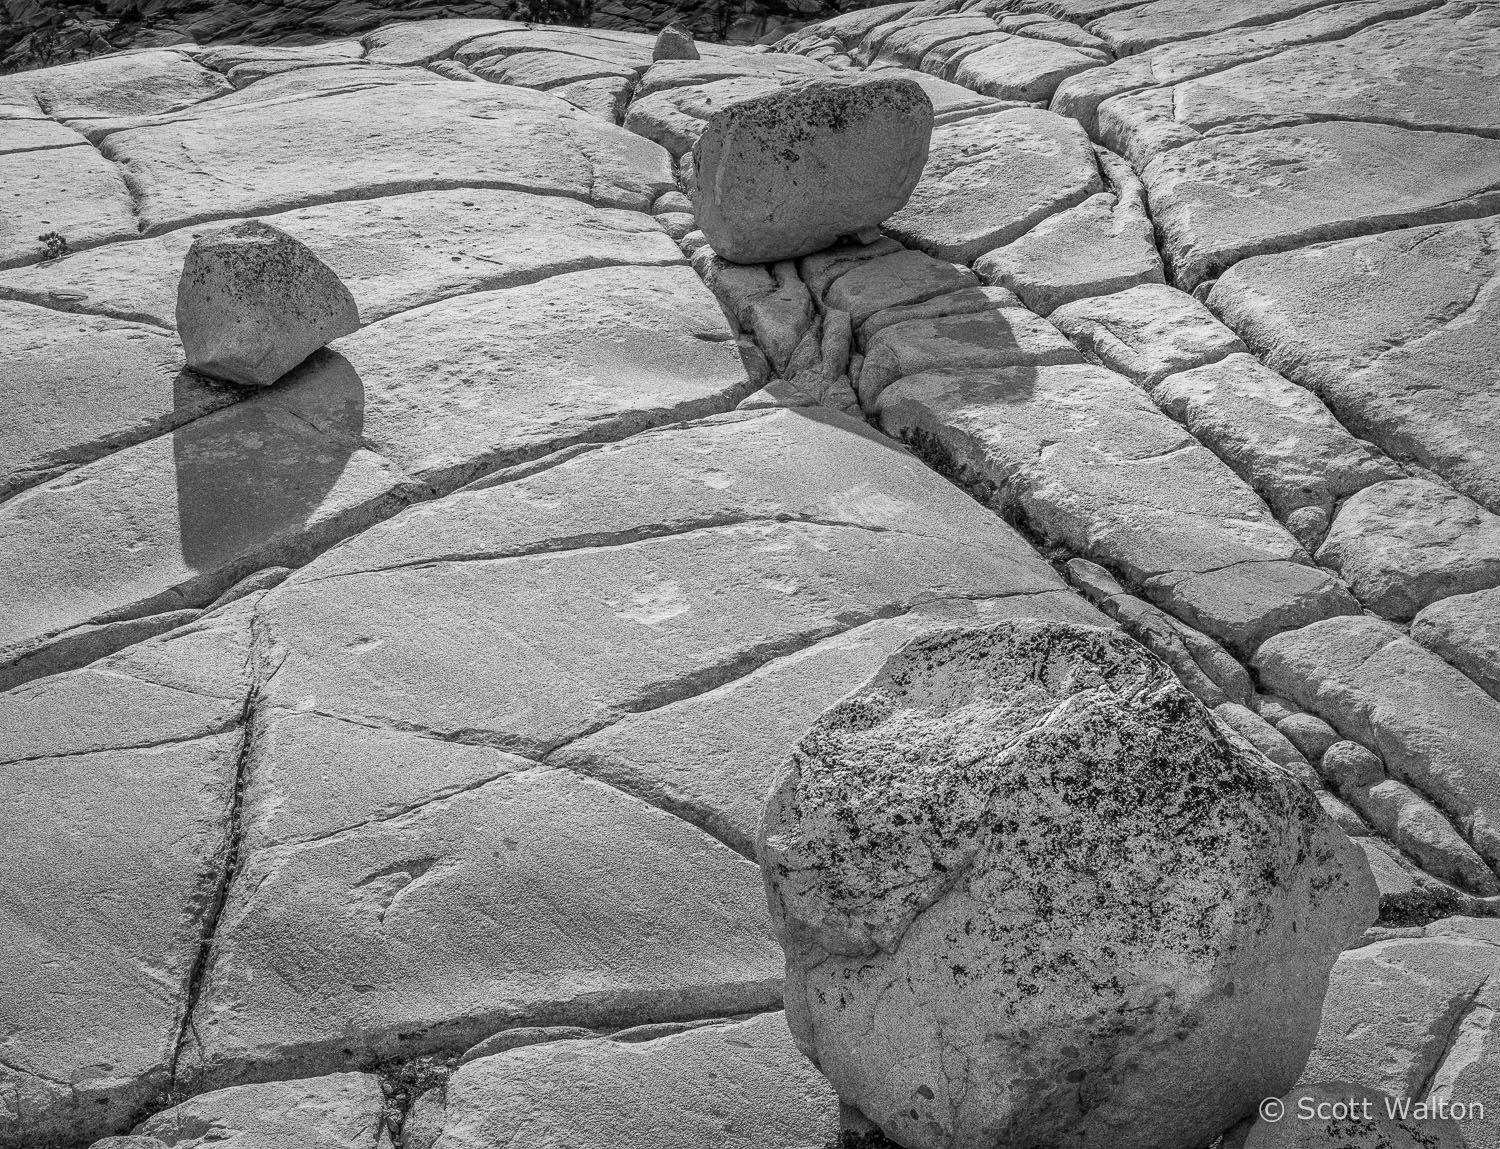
{"points": [[788, 172], [1032, 893], [253, 303]]}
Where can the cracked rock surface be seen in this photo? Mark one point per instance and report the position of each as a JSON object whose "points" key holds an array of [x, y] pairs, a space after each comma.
{"points": [[424, 702]]}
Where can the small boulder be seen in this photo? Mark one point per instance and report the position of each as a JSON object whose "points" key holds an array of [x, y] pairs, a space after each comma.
{"points": [[1030, 892], [786, 173], [253, 303], [674, 42]]}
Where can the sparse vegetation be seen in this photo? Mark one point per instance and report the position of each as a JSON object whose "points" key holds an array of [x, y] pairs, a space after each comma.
{"points": [[54, 244]]}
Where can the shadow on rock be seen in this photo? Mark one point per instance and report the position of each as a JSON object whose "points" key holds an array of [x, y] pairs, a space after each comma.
{"points": [[259, 471]]}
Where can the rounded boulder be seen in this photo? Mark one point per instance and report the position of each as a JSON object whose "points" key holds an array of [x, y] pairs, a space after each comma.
{"points": [[786, 173], [1032, 894]]}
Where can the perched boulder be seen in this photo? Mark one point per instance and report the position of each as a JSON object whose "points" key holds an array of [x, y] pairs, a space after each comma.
{"points": [[674, 42], [253, 303], [1029, 888], [786, 173]]}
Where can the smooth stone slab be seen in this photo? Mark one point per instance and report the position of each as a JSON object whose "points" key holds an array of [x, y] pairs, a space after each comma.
{"points": [[892, 281], [1162, 21], [605, 98], [342, 1111], [1446, 990], [294, 86], [1423, 834], [139, 83], [1080, 96], [995, 337], [174, 521], [1428, 72], [1085, 458], [545, 70], [1404, 544], [486, 56], [908, 40], [382, 141], [1103, 245], [1465, 631], [80, 387], [456, 389], [1276, 436], [690, 557], [711, 759], [769, 466], [74, 192], [1434, 728], [633, 48], [1396, 333], [990, 178], [1146, 333], [664, 75], [679, 614], [317, 777], [536, 899], [408, 42], [488, 380], [949, 101], [1017, 67], [165, 690], [34, 134], [739, 1086], [85, 644], [849, 28], [131, 767], [1223, 198], [394, 253], [965, 301]]}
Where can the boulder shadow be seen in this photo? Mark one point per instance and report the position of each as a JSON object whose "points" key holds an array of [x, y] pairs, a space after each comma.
{"points": [[251, 477]]}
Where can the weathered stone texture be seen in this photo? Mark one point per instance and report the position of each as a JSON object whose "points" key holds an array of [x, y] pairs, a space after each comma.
{"points": [[1435, 729], [1088, 460], [991, 178], [1395, 332], [741, 1086], [933, 842], [788, 172]]}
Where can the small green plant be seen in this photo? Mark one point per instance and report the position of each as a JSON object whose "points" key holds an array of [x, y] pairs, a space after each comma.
{"points": [[55, 244]]}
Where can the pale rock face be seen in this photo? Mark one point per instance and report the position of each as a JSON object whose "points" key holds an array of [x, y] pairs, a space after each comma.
{"points": [[1465, 631], [719, 1086], [341, 1111], [788, 172], [1434, 728], [1146, 333], [1405, 544], [1022, 799], [253, 303]]}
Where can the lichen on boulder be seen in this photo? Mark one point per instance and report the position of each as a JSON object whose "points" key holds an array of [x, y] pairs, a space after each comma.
{"points": [[253, 303], [787, 172], [1032, 893]]}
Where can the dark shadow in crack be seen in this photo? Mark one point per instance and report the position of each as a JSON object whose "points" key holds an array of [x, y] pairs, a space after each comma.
{"points": [[249, 478]]}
